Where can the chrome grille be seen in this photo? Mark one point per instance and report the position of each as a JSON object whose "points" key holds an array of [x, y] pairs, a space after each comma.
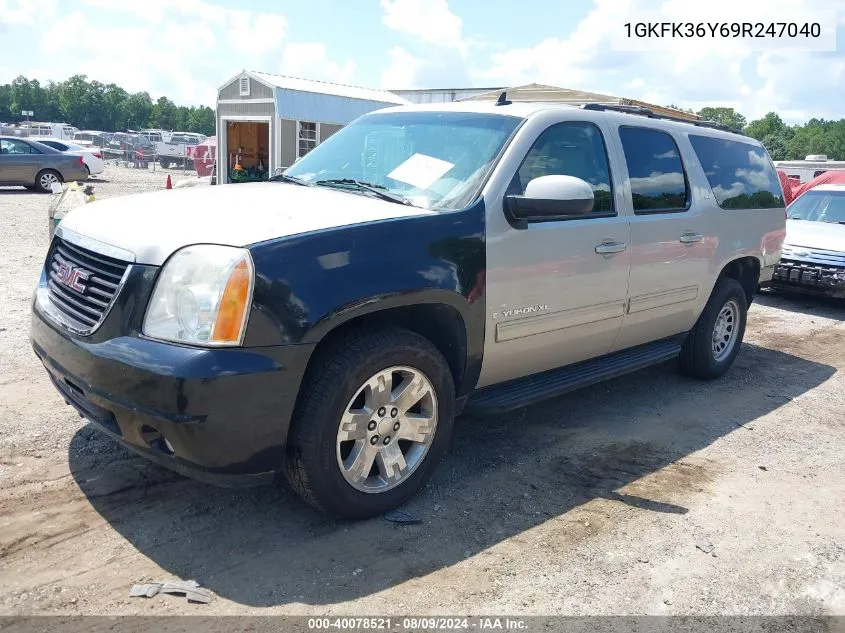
{"points": [[82, 284], [818, 256]]}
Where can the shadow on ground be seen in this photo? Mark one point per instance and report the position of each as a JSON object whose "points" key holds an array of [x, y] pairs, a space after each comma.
{"points": [[18, 191], [502, 476], [824, 307]]}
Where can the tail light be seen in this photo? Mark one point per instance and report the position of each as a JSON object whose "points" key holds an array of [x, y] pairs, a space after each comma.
{"points": [[98, 155], [81, 161]]}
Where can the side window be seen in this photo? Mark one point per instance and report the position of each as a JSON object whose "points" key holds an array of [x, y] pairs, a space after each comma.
{"points": [[819, 172], [307, 138], [655, 171], [17, 147], [573, 148], [741, 175]]}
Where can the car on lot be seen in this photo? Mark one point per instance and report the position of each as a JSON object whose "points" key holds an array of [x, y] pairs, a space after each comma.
{"points": [[813, 259], [93, 138], [176, 149], [37, 166], [133, 148], [423, 261], [93, 156]]}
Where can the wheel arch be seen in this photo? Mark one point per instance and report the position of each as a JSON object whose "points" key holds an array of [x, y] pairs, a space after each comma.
{"points": [[432, 316], [745, 270]]}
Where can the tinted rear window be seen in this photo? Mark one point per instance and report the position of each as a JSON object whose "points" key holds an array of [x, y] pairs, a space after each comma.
{"points": [[740, 174]]}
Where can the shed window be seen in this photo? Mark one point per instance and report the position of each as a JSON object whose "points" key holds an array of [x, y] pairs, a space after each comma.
{"points": [[244, 86], [307, 138]]}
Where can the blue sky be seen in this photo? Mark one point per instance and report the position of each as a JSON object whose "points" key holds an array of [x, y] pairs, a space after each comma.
{"points": [[187, 48]]}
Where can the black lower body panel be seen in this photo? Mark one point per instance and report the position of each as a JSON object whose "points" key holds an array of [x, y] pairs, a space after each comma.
{"points": [[224, 413], [529, 390]]}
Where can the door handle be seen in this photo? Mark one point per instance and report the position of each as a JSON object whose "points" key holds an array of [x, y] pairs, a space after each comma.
{"points": [[607, 248], [690, 238]]}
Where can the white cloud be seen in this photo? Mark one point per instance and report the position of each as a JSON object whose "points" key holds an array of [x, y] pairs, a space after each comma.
{"points": [[429, 21], [736, 189], [25, 12], [310, 60], [658, 182], [796, 84], [759, 179], [402, 71]]}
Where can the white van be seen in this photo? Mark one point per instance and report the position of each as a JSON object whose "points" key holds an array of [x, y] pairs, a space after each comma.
{"points": [[53, 130], [811, 167]]}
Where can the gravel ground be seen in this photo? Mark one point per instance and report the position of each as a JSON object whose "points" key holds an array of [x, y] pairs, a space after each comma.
{"points": [[650, 494]]}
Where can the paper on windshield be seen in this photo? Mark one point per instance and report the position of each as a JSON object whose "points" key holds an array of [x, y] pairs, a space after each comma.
{"points": [[421, 171]]}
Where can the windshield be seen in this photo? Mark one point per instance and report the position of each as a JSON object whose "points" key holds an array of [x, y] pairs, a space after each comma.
{"points": [[819, 206], [435, 160]]}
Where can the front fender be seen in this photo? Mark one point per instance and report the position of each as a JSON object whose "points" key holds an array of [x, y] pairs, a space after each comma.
{"points": [[309, 284]]}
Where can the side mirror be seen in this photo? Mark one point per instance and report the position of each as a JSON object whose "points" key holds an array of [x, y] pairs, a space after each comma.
{"points": [[552, 197]]}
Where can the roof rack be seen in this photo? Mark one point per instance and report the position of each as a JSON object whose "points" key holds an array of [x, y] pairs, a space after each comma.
{"points": [[643, 111]]}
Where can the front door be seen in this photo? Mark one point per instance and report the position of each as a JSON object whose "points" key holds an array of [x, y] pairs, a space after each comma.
{"points": [[18, 161], [556, 290]]}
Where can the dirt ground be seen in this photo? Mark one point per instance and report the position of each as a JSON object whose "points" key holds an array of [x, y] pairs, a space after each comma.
{"points": [[650, 494]]}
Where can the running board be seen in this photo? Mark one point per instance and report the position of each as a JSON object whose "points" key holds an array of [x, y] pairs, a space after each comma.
{"points": [[538, 387]]}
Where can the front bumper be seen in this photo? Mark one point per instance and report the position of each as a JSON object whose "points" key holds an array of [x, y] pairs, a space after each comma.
{"points": [[224, 412], [809, 277]]}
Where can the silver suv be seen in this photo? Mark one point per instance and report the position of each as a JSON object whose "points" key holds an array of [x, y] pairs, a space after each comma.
{"points": [[330, 324]]}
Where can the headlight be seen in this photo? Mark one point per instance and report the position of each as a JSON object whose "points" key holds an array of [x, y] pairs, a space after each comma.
{"points": [[202, 296]]}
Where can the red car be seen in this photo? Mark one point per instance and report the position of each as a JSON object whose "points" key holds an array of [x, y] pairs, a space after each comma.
{"points": [[203, 155]]}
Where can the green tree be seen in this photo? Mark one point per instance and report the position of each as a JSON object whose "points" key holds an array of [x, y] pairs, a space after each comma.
{"points": [[768, 125], [137, 111], [164, 114], [725, 116], [202, 120], [114, 107], [6, 102]]}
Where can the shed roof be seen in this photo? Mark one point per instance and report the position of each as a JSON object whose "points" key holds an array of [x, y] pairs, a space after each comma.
{"points": [[323, 87]]}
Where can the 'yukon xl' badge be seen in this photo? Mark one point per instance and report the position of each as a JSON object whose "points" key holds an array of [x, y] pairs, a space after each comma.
{"points": [[72, 277], [520, 311]]}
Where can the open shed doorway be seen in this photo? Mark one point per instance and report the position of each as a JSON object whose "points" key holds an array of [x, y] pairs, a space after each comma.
{"points": [[246, 150]]}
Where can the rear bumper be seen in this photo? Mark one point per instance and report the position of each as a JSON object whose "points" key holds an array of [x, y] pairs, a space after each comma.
{"points": [[224, 412], [77, 173]]}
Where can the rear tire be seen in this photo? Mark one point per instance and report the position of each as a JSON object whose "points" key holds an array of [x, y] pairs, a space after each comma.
{"points": [[45, 178], [341, 418], [714, 342]]}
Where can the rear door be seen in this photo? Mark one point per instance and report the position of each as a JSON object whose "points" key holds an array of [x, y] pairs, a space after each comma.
{"points": [[671, 248], [556, 289]]}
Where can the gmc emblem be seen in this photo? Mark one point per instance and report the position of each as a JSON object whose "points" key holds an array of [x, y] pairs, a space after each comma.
{"points": [[72, 277]]}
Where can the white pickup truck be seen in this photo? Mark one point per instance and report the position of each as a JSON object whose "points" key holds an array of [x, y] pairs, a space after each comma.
{"points": [[173, 150]]}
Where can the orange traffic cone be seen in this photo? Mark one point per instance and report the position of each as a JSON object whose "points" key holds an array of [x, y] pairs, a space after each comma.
{"points": [[169, 183]]}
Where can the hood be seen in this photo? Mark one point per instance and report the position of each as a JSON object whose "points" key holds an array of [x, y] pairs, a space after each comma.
{"points": [[815, 235], [154, 225]]}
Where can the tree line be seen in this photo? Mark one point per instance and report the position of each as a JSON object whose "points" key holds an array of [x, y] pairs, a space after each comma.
{"points": [[785, 142], [92, 105]]}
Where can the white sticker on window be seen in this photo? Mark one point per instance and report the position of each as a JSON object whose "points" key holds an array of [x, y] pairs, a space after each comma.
{"points": [[421, 171]]}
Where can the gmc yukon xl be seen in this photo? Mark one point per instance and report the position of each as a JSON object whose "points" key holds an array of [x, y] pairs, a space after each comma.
{"points": [[423, 261]]}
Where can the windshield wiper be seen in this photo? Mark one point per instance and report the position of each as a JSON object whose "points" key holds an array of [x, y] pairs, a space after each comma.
{"points": [[379, 190], [293, 179]]}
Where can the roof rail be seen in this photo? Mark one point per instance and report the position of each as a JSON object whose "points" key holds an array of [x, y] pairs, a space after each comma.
{"points": [[643, 111]]}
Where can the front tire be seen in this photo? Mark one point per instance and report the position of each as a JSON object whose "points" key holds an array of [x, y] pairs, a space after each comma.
{"points": [[714, 342], [373, 419]]}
